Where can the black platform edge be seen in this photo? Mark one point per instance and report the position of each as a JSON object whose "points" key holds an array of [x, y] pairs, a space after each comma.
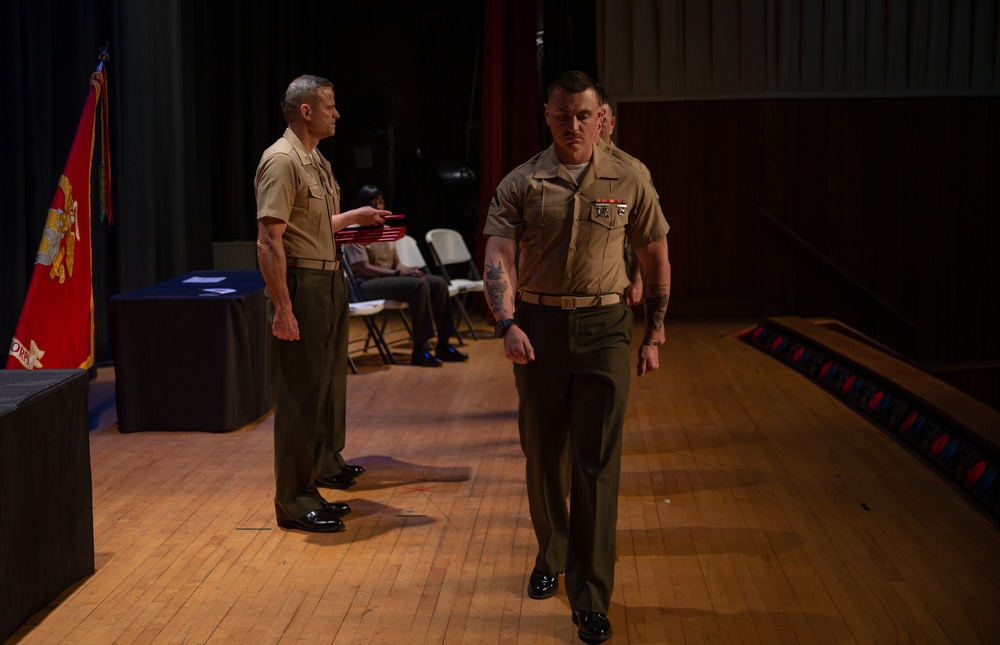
{"points": [[955, 453]]}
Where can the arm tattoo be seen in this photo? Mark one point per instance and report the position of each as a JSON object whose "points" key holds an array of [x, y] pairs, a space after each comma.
{"points": [[497, 285], [656, 306]]}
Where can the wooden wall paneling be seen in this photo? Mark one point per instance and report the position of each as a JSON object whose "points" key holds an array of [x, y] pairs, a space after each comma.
{"points": [[797, 276], [985, 114], [697, 158], [720, 259], [840, 184], [900, 193], [909, 240], [676, 203], [809, 151], [885, 213], [969, 281], [846, 204], [772, 263], [658, 134], [846, 230], [748, 223], [925, 216], [664, 162]]}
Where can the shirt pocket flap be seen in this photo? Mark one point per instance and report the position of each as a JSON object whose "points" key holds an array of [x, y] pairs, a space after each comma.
{"points": [[610, 215]]}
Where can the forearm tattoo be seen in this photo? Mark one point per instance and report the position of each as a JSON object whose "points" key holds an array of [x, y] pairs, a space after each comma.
{"points": [[657, 299], [497, 286]]}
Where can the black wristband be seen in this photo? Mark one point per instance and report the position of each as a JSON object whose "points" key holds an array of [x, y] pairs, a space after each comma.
{"points": [[502, 326]]}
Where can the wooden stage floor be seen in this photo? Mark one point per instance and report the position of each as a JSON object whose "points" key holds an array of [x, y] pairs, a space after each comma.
{"points": [[755, 508]]}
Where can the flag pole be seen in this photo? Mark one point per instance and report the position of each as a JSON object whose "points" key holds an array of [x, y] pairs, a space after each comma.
{"points": [[104, 186], [103, 56]]}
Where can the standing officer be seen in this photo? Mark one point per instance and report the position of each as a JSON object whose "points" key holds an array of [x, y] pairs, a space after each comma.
{"points": [[567, 216], [298, 211]]}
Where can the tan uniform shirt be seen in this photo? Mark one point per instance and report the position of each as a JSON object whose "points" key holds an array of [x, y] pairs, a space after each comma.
{"points": [[616, 152], [298, 188], [621, 155], [379, 254], [572, 236]]}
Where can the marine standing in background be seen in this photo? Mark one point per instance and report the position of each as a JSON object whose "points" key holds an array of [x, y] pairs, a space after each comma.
{"points": [[298, 211]]}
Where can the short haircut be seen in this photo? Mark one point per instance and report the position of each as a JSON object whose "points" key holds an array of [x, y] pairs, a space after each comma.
{"points": [[574, 82], [304, 89], [366, 195], [602, 96]]}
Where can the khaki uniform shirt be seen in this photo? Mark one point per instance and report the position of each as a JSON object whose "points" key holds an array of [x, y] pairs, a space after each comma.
{"points": [[616, 152], [572, 236], [379, 254], [299, 189]]}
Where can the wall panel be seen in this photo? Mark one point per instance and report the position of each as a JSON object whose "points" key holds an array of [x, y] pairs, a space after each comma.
{"points": [[884, 214]]}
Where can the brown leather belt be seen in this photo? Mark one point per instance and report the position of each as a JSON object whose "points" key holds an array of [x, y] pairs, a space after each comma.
{"points": [[306, 263], [570, 302]]}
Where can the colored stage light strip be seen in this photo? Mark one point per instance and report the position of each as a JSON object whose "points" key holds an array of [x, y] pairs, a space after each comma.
{"points": [[953, 455]]}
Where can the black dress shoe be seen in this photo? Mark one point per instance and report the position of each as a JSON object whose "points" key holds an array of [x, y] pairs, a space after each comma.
{"points": [[451, 355], [352, 471], [593, 627], [337, 509], [542, 585], [341, 481], [423, 358], [321, 520]]}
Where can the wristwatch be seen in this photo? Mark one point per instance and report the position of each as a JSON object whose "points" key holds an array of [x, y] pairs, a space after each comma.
{"points": [[503, 325]]}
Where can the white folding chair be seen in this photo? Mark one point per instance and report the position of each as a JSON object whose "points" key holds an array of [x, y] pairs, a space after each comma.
{"points": [[387, 306], [449, 249], [409, 254], [366, 310]]}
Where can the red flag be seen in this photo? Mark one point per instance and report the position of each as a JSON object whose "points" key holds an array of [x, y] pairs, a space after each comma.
{"points": [[56, 329]]}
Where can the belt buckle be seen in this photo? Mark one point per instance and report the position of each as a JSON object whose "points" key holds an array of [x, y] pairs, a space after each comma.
{"points": [[568, 302]]}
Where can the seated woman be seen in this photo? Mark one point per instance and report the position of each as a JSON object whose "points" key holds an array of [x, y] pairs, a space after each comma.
{"points": [[380, 276]]}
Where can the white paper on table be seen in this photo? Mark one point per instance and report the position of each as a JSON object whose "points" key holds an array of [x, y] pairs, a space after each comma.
{"points": [[216, 292], [202, 279]]}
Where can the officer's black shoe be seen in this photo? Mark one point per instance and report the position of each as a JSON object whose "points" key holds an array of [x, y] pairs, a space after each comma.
{"points": [[352, 471], [593, 627], [337, 509], [321, 520], [340, 481], [542, 585]]}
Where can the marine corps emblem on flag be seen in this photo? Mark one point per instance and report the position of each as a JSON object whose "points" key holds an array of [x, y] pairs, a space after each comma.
{"points": [[52, 251]]}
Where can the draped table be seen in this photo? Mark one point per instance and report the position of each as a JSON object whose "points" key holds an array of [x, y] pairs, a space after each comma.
{"points": [[192, 353], [46, 499]]}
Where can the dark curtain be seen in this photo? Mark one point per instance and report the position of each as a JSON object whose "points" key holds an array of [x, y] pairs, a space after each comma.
{"points": [[50, 51], [526, 45], [511, 104], [570, 35], [694, 49], [194, 90]]}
